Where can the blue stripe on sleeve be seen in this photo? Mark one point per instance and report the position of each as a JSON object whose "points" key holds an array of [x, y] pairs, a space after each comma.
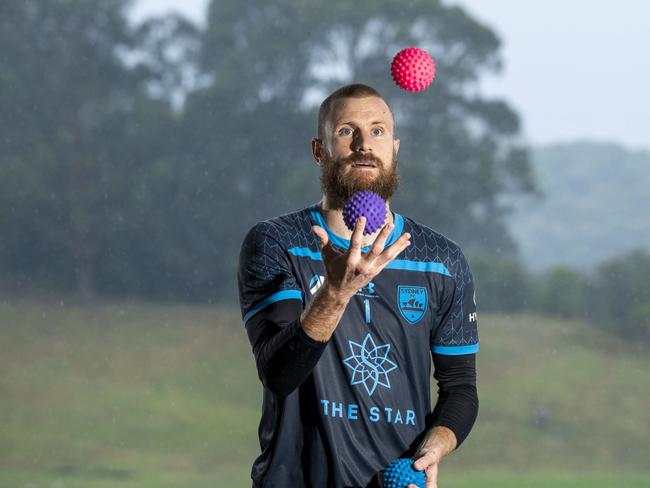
{"points": [[455, 350], [306, 252], [276, 297]]}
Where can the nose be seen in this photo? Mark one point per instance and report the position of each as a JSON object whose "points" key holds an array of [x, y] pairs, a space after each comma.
{"points": [[360, 142]]}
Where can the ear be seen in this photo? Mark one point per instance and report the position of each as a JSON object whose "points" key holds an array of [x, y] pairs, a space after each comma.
{"points": [[396, 145], [317, 150]]}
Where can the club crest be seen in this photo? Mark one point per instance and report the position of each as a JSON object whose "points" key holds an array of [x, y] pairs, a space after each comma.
{"points": [[413, 302]]}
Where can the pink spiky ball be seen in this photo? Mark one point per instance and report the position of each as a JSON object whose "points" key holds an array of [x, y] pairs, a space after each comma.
{"points": [[413, 69]]}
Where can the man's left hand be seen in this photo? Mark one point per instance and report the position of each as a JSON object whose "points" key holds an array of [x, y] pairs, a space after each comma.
{"points": [[427, 462], [439, 442]]}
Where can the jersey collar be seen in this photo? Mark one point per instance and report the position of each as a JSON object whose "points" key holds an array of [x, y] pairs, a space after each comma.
{"points": [[342, 243]]}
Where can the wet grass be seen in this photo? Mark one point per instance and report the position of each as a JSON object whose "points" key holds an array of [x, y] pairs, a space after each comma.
{"points": [[137, 394]]}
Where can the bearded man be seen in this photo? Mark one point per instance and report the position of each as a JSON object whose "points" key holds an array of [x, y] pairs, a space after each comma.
{"points": [[344, 327]]}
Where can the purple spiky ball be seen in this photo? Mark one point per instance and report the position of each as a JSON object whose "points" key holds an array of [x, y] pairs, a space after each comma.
{"points": [[368, 204], [400, 473]]}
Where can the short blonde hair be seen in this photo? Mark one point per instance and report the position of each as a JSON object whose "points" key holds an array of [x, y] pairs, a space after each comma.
{"points": [[355, 90]]}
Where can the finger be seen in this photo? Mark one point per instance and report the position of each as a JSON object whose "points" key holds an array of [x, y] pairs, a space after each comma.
{"points": [[323, 238], [394, 250], [355, 240], [325, 246], [380, 241], [428, 462], [423, 462], [387, 259], [380, 480], [398, 246], [432, 476]]}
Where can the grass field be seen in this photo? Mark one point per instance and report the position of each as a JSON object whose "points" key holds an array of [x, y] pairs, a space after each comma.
{"points": [[150, 395]]}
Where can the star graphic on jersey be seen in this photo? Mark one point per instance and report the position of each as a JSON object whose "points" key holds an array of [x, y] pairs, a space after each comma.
{"points": [[369, 364]]}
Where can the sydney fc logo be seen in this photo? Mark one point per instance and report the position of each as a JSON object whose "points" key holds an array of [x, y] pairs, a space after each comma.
{"points": [[369, 364], [412, 302]]}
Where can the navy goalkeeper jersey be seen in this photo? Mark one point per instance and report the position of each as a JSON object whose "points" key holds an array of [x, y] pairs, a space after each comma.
{"points": [[366, 401]]}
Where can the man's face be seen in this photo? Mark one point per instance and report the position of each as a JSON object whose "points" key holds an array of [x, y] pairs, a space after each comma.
{"points": [[359, 152]]}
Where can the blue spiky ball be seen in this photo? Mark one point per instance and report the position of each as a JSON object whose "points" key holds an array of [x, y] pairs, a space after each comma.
{"points": [[366, 203], [400, 473]]}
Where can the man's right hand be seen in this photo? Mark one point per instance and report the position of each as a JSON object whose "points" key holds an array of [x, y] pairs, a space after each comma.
{"points": [[354, 269]]}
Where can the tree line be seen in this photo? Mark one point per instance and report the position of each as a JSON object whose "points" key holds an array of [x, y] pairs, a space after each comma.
{"points": [[134, 158], [614, 296]]}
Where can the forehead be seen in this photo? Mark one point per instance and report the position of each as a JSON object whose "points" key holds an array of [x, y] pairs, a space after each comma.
{"points": [[361, 110]]}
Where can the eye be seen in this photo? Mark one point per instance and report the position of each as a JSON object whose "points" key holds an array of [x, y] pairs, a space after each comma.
{"points": [[377, 131], [345, 131]]}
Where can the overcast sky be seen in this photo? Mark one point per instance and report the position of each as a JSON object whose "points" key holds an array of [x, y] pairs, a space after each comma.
{"points": [[576, 69]]}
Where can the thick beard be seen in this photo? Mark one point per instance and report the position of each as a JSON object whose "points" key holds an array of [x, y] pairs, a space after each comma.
{"points": [[338, 187]]}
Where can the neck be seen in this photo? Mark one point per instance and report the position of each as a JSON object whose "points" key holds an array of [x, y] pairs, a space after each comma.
{"points": [[334, 219]]}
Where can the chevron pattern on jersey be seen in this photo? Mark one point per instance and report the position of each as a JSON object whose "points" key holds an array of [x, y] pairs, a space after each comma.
{"points": [[429, 245], [269, 268]]}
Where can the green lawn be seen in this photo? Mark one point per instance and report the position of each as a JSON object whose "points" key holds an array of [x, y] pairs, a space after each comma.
{"points": [[149, 395]]}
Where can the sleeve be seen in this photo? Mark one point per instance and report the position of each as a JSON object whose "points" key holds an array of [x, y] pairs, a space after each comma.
{"points": [[265, 275], [454, 343], [457, 332], [284, 354], [457, 404], [271, 305]]}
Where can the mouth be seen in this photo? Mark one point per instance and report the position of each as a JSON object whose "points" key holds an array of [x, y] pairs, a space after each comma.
{"points": [[363, 164]]}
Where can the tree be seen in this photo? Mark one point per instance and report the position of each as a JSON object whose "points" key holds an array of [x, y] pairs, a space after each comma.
{"points": [[252, 126], [73, 125], [109, 182], [620, 295], [502, 284], [563, 292]]}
